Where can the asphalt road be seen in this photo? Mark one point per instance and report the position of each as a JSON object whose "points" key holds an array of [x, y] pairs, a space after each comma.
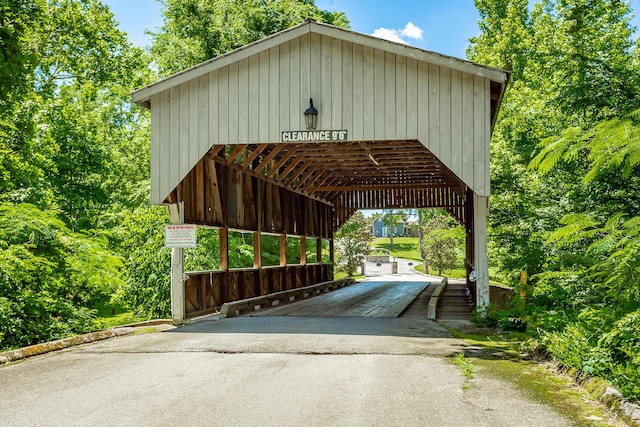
{"points": [[266, 371]]}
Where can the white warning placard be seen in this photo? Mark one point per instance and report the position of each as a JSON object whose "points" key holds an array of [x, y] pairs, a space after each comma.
{"points": [[180, 236]]}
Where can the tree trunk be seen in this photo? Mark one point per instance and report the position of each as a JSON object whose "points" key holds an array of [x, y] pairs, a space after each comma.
{"points": [[391, 228], [420, 234]]}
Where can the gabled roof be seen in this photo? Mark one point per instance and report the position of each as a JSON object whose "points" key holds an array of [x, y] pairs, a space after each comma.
{"points": [[143, 95], [416, 124]]}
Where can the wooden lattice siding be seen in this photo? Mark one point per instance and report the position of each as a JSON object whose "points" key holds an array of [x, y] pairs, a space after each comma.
{"points": [[372, 93], [207, 291], [217, 194], [448, 198]]}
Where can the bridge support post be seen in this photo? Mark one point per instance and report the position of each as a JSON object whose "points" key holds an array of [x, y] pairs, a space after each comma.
{"points": [[176, 216], [481, 265]]}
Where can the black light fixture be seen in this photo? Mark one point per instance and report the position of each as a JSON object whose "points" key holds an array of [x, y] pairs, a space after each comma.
{"points": [[311, 116]]}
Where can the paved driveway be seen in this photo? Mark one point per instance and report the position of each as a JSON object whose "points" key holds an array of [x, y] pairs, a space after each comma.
{"points": [[267, 370]]}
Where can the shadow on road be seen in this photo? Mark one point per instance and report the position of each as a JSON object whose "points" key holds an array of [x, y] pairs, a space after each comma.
{"points": [[373, 326]]}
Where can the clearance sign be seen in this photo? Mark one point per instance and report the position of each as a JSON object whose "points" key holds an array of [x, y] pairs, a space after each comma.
{"points": [[313, 135]]}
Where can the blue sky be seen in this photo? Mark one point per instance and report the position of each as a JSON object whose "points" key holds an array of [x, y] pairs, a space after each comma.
{"points": [[443, 26]]}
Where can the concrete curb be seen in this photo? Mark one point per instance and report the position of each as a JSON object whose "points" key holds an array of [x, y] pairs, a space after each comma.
{"points": [[47, 347], [434, 301]]}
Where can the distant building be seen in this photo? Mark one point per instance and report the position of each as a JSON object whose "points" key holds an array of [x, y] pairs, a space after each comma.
{"points": [[380, 229]]}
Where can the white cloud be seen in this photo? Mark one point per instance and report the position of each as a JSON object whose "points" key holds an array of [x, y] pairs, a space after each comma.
{"points": [[388, 34], [412, 31], [409, 31]]}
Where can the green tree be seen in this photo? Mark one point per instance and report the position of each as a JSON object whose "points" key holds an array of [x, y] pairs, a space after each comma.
{"points": [[353, 243], [69, 139], [391, 218], [440, 243], [147, 273], [570, 111], [49, 275], [194, 30]]}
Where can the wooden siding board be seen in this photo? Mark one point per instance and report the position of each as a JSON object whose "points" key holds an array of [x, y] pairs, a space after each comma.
{"points": [[401, 98], [274, 94], [412, 99], [325, 96], [467, 129], [423, 104], [295, 85], [234, 104], [456, 121], [203, 115], [184, 134], [434, 109], [254, 97], [357, 127], [478, 136], [223, 105], [347, 87], [445, 116], [155, 148], [194, 125], [487, 137], [263, 98], [309, 73], [285, 88], [336, 78], [173, 159], [379, 95], [214, 137], [389, 95], [369, 94], [244, 99]]}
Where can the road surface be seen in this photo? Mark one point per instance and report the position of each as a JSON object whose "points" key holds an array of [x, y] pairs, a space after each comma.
{"points": [[271, 370]]}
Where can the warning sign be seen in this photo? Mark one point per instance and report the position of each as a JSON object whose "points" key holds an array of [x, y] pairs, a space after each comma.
{"points": [[180, 236]]}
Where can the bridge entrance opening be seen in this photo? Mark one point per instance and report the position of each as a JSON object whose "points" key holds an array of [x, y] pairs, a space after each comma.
{"points": [[229, 152]]}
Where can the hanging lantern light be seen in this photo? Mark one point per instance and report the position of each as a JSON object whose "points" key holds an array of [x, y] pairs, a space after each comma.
{"points": [[311, 116]]}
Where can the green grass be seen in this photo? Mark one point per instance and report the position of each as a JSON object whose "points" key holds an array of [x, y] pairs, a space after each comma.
{"points": [[403, 247], [110, 315], [409, 248], [342, 275], [456, 273], [466, 367], [502, 357]]}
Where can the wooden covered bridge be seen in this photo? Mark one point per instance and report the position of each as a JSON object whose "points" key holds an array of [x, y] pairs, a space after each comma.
{"points": [[396, 127]]}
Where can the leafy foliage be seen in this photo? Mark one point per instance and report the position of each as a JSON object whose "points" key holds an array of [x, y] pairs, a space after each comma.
{"points": [[48, 275], [440, 243], [194, 31], [353, 243], [147, 272], [565, 173]]}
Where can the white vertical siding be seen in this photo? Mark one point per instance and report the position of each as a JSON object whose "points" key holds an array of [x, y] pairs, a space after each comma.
{"points": [[155, 151], [203, 115], [347, 86], [357, 93], [455, 118], [445, 116], [274, 92], [373, 94], [400, 118], [389, 85], [412, 98], [243, 106], [283, 86]]}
